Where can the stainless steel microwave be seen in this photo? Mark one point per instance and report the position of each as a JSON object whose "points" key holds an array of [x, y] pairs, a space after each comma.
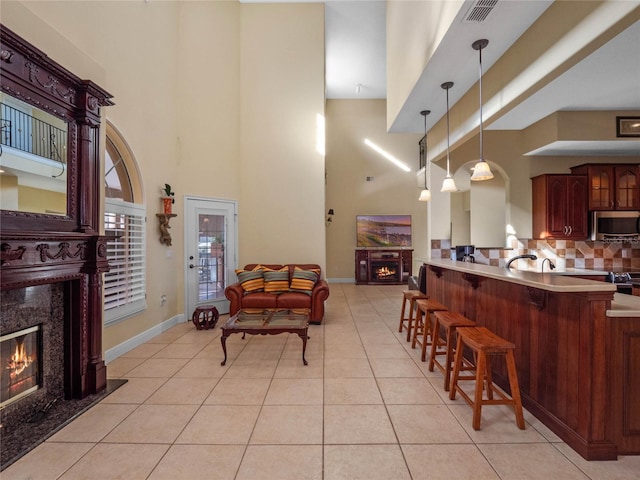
{"points": [[619, 225]]}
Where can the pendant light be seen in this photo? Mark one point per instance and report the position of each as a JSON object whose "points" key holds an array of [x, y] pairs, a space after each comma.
{"points": [[425, 195], [448, 185], [481, 171]]}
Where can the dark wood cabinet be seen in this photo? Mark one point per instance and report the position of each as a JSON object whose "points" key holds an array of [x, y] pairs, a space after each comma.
{"points": [[383, 266], [560, 206], [612, 186]]}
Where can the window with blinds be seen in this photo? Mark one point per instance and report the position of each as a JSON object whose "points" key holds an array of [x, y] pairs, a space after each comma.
{"points": [[125, 283]]}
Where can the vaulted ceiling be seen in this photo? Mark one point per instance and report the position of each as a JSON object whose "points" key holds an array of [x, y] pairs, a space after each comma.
{"points": [[606, 79]]}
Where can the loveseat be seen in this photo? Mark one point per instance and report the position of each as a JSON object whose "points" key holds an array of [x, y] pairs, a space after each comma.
{"points": [[291, 286]]}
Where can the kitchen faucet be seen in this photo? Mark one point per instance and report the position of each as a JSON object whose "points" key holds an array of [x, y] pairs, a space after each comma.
{"points": [[529, 256], [551, 264]]}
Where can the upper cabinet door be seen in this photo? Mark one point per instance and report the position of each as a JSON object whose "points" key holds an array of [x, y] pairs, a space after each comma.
{"points": [[557, 206], [560, 206], [577, 207], [627, 187], [601, 190], [612, 186]]}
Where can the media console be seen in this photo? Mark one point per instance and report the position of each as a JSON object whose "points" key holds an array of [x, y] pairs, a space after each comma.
{"points": [[383, 266]]}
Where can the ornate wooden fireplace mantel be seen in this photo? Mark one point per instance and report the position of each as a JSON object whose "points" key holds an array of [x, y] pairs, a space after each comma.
{"points": [[43, 248]]}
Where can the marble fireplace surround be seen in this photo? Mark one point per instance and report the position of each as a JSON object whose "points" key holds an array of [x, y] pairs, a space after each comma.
{"points": [[27, 307]]}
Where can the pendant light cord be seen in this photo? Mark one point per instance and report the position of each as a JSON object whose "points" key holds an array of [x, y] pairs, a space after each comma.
{"points": [[480, 87], [447, 88], [426, 112]]}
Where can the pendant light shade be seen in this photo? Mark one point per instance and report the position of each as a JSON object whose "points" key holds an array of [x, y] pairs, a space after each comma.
{"points": [[425, 195], [448, 185], [481, 171]]}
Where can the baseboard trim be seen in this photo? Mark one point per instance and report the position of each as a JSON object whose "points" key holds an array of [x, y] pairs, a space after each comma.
{"points": [[136, 341], [341, 280]]}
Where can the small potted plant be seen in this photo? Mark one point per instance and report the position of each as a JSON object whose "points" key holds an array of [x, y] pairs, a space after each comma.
{"points": [[167, 198]]}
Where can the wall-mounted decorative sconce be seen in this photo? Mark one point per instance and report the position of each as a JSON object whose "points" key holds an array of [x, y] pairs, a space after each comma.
{"points": [[330, 213], [425, 195], [165, 236], [481, 171]]}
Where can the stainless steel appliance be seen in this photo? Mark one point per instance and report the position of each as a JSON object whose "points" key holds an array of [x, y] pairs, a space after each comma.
{"points": [[615, 225], [622, 281], [464, 253]]}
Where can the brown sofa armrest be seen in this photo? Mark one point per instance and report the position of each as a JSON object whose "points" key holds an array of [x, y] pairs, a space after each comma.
{"points": [[319, 295], [234, 294]]}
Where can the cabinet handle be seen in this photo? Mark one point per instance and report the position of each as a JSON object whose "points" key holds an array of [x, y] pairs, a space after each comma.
{"points": [[570, 230]]}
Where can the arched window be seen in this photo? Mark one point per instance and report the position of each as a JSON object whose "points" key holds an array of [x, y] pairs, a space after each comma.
{"points": [[124, 220]]}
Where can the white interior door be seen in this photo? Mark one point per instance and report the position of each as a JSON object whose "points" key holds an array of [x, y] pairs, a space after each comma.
{"points": [[210, 247]]}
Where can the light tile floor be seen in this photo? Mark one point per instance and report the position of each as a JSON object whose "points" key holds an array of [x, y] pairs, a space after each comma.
{"points": [[365, 407]]}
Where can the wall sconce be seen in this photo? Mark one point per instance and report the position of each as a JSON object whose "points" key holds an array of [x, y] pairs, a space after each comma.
{"points": [[330, 213]]}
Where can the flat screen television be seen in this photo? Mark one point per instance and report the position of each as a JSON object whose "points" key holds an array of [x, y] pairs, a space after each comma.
{"points": [[383, 231]]}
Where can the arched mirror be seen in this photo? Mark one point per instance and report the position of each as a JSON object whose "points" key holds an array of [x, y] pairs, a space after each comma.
{"points": [[33, 159]]}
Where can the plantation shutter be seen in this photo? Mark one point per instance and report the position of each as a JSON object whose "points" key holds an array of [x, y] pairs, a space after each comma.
{"points": [[125, 283]]}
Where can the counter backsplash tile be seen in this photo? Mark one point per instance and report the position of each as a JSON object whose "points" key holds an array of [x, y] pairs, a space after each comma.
{"points": [[590, 255]]}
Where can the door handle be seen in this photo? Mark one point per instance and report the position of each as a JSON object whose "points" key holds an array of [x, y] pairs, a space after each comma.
{"points": [[191, 265]]}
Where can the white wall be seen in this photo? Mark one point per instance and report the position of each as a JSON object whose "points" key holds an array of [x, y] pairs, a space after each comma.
{"points": [[281, 201], [216, 98]]}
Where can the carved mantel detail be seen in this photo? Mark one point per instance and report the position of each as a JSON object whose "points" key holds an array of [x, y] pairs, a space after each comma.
{"points": [[62, 253], [7, 254], [51, 84], [6, 55]]}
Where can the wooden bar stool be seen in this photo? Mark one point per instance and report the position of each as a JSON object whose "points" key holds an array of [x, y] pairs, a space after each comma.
{"points": [[423, 328], [485, 343], [449, 321], [409, 296]]}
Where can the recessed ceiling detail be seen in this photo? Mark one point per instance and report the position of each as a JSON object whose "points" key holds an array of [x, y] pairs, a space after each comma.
{"points": [[592, 148]]}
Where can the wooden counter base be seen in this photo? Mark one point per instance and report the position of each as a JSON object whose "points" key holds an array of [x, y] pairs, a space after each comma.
{"points": [[578, 368]]}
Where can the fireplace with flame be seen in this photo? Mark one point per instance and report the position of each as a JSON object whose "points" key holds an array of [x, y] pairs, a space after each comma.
{"points": [[32, 352], [20, 359], [387, 270]]}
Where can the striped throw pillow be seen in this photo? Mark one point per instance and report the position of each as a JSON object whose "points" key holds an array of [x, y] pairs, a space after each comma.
{"points": [[303, 281], [251, 280], [276, 281]]}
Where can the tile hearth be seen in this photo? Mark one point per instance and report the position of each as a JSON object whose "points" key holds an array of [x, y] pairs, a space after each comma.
{"points": [[364, 407]]}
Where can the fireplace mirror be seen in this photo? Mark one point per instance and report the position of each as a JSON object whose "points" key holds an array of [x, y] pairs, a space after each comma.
{"points": [[33, 159]]}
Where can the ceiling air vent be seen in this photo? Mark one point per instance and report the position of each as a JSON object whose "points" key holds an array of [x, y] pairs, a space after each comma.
{"points": [[479, 11]]}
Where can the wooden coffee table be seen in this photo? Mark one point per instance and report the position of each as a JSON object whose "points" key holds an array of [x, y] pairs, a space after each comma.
{"points": [[267, 322]]}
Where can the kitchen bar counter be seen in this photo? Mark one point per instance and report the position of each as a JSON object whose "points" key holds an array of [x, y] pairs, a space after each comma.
{"points": [[624, 306], [564, 281], [577, 348]]}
